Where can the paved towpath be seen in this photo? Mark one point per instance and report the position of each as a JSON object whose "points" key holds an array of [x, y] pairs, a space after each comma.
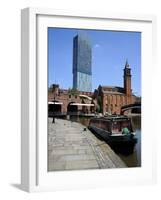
{"points": [[70, 148]]}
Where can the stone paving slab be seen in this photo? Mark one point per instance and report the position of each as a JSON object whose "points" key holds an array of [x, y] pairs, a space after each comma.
{"points": [[72, 148]]}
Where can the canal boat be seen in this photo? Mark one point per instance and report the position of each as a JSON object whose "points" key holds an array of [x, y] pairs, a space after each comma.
{"points": [[115, 129]]}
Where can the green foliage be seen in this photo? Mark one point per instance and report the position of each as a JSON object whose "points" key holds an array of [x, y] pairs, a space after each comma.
{"points": [[99, 107], [73, 92], [50, 88]]}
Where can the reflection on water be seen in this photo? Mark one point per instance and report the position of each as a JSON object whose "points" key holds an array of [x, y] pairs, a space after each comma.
{"points": [[134, 159], [82, 120]]}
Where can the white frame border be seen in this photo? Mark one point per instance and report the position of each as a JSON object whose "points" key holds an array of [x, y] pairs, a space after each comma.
{"points": [[29, 168]]}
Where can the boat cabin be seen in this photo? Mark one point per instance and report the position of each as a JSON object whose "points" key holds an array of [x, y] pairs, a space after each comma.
{"points": [[112, 124]]}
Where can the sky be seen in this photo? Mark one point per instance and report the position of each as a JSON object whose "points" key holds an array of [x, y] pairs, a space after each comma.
{"points": [[110, 50]]}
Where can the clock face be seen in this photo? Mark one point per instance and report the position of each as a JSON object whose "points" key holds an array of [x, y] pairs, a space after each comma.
{"points": [[128, 71]]}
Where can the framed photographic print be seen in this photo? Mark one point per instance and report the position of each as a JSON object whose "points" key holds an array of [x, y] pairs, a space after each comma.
{"points": [[86, 114]]}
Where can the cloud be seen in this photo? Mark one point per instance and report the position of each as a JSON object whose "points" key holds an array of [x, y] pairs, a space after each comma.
{"points": [[97, 46]]}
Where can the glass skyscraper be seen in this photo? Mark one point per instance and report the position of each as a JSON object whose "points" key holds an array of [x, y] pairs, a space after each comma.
{"points": [[82, 61]]}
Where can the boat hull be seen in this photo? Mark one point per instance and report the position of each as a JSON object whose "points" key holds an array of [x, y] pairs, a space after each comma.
{"points": [[120, 144]]}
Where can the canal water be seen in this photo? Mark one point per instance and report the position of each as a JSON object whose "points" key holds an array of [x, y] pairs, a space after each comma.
{"points": [[134, 159]]}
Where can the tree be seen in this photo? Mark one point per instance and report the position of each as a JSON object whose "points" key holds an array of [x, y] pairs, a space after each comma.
{"points": [[99, 107], [73, 91]]}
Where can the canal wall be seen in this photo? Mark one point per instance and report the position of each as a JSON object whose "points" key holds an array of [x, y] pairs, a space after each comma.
{"points": [[71, 146]]}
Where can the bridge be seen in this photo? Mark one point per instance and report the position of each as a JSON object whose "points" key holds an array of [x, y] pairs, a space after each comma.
{"points": [[135, 108]]}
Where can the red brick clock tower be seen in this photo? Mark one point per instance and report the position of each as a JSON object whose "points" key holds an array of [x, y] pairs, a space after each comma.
{"points": [[127, 80]]}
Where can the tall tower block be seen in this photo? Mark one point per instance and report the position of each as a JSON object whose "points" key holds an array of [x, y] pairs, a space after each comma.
{"points": [[127, 79], [82, 63]]}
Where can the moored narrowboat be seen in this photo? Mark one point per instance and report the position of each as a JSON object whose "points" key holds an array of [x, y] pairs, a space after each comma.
{"points": [[114, 129]]}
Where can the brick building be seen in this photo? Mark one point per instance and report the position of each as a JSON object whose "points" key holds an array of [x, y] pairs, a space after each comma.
{"points": [[105, 99], [70, 101], [111, 98]]}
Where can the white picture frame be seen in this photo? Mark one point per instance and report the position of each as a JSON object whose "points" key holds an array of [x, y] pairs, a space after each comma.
{"points": [[34, 175]]}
